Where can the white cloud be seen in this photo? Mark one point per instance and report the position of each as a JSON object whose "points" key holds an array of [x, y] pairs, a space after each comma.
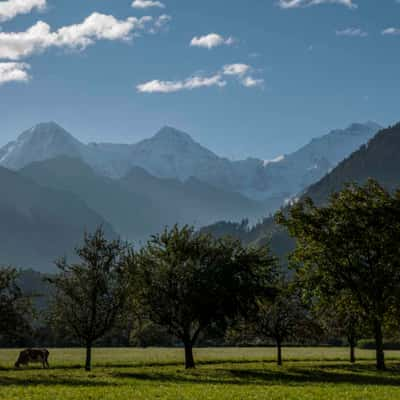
{"points": [[211, 40], [9, 9], [160, 23], [352, 32], [195, 82], [198, 82], [13, 72], [250, 82], [308, 3], [391, 31], [242, 72], [98, 27], [236, 69], [147, 4], [16, 45]]}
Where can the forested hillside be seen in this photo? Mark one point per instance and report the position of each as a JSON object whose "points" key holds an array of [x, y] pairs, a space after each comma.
{"points": [[379, 159], [39, 224]]}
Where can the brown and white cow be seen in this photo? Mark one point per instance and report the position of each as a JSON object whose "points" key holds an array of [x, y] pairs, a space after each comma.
{"points": [[33, 356]]}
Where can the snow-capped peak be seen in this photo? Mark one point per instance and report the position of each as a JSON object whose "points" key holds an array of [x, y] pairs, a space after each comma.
{"points": [[41, 142]]}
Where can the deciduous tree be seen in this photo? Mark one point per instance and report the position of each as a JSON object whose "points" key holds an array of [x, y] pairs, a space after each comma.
{"points": [[284, 318], [190, 281], [341, 316], [90, 295], [352, 244]]}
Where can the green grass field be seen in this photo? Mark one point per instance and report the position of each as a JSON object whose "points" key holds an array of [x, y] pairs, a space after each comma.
{"points": [[228, 373]]}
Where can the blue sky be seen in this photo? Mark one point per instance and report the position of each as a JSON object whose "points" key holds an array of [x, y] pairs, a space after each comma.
{"points": [[274, 74]]}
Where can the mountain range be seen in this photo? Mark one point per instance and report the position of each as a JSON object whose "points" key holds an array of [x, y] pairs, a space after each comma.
{"points": [[56, 186], [172, 154], [378, 159]]}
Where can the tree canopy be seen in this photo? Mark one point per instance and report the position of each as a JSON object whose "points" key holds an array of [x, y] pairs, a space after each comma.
{"points": [[91, 294], [15, 307], [190, 281], [351, 244]]}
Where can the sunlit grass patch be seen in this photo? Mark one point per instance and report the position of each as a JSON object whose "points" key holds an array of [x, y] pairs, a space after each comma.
{"points": [[228, 373]]}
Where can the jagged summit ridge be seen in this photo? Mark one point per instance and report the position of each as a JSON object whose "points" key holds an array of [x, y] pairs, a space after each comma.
{"points": [[173, 154], [170, 133]]}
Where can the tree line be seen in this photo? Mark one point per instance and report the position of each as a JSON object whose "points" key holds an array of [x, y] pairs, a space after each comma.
{"points": [[343, 282]]}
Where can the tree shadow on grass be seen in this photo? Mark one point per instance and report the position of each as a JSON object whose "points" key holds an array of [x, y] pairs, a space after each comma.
{"points": [[177, 363], [52, 381], [227, 373], [144, 364], [285, 376], [356, 375]]}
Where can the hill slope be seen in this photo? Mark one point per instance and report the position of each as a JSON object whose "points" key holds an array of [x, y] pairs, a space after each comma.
{"points": [[140, 204], [379, 159], [193, 201], [38, 224], [132, 215]]}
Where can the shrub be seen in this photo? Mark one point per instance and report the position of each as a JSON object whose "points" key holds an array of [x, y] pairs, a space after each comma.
{"points": [[369, 344]]}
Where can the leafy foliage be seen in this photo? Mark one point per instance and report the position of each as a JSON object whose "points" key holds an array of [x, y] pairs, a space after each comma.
{"points": [[89, 296], [342, 316], [190, 281], [15, 309], [351, 244]]}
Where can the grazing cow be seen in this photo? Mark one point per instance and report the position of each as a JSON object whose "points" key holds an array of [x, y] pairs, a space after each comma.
{"points": [[33, 356]]}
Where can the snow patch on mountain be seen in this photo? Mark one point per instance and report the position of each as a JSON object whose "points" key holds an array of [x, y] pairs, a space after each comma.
{"points": [[274, 160]]}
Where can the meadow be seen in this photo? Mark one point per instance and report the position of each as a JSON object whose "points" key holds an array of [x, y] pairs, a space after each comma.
{"points": [[221, 373]]}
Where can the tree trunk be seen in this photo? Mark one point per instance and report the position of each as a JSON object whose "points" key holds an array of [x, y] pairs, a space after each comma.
{"points": [[189, 360], [380, 355], [352, 351], [128, 337], [279, 349], [88, 364]]}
